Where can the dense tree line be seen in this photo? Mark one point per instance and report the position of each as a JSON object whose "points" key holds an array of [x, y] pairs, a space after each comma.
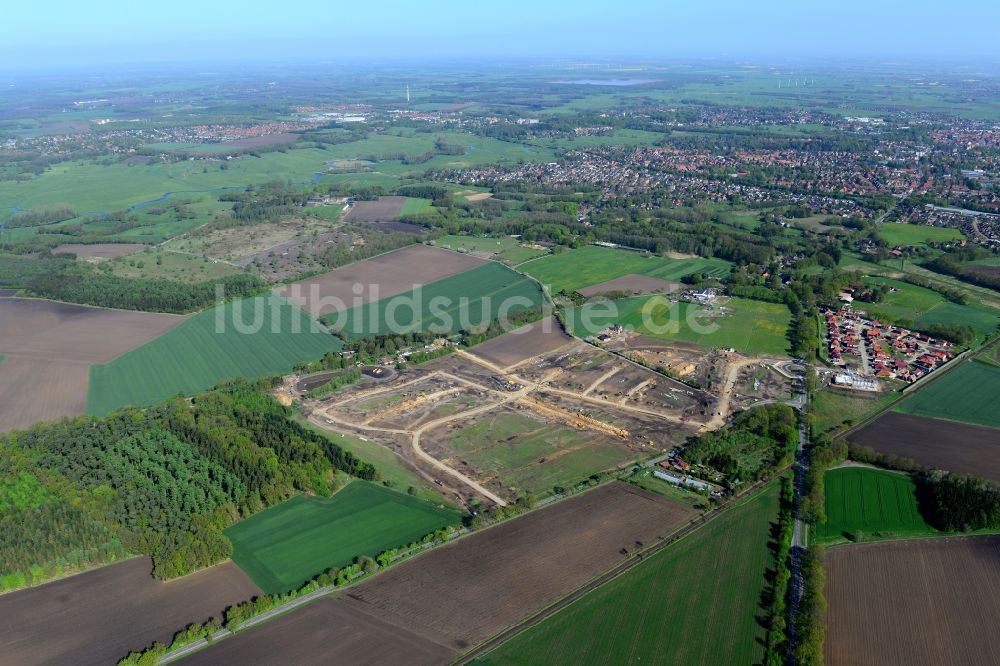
{"points": [[375, 244], [810, 621], [958, 503], [822, 456], [269, 201], [17, 271], [954, 263], [776, 599], [347, 378], [163, 481], [77, 284], [37, 217]]}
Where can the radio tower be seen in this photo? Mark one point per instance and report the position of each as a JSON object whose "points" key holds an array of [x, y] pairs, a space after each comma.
{"points": [[407, 93]]}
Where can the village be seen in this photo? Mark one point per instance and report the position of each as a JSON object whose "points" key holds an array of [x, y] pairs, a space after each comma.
{"points": [[868, 349]]}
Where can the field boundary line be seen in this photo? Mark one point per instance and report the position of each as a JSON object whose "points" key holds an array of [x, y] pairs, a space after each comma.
{"points": [[332, 590], [618, 570]]}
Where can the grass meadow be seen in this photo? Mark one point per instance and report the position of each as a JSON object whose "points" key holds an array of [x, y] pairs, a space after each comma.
{"points": [[917, 234], [193, 356], [285, 545], [590, 265], [921, 307], [751, 327], [695, 602], [831, 407], [506, 249], [511, 447]]}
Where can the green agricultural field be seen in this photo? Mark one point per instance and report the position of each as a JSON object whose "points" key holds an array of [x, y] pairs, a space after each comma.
{"points": [[868, 504], [917, 234], [590, 265], [211, 346], [86, 186], [512, 447], [283, 546], [751, 327], [921, 308], [506, 249], [831, 407], [472, 298], [416, 206], [970, 394], [695, 602]]}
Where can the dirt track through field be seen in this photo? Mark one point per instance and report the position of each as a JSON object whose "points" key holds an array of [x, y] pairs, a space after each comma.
{"points": [[928, 601], [99, 616]]}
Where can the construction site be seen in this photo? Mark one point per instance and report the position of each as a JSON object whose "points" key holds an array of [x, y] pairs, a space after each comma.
{"points": [[487, 428]]}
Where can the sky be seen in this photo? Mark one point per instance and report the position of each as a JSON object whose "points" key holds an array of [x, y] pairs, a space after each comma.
{"points": [[73, 33]]}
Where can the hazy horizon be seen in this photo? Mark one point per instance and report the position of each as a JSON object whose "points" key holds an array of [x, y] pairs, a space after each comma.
{"points": [[64, 35]]}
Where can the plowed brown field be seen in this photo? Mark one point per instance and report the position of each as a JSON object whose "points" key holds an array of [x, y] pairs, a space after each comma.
{"points": [[933, 601], [99, 616]]}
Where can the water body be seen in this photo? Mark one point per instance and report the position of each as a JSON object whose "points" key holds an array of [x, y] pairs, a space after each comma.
{"points": [[167, 195], [606, 82]]}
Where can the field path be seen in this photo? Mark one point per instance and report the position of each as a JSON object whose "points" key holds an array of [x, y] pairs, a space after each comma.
{"points": [[571, 394], [603, 378], [721, 411]]}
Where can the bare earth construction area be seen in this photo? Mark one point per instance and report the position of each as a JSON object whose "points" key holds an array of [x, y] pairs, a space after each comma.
{"points": [[99, 616], [914, 602], [49, 348], [457, 596]]}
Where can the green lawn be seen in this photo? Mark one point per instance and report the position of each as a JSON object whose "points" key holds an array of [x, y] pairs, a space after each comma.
{"points": [[590, 265], [217, 344], [917, 234], [469, 299], [970, 393], [512, 447], [752, 327], [506, 249], [283, 546], [695, 602], [878, 503]]}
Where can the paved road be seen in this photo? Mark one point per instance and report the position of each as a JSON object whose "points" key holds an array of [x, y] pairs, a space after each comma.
{"points": [[800, 530]]}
